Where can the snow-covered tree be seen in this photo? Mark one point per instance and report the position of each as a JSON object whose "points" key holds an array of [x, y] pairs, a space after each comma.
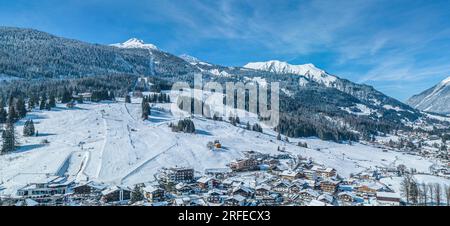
{"points": [[28, 129], [9, 139], [136, 194]]}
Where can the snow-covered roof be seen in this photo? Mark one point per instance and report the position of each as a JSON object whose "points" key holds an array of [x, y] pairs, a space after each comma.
{"points": [[238, 198], [289, 173], [263, 186], [112, 189], [150, 188], [204, 180], [388, 195], [317, 203], [310, 192], [217, 170]]}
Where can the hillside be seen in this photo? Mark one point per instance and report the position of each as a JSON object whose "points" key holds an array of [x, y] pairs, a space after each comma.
{"points": [[109, 142], [436, 99], [313, 102]]}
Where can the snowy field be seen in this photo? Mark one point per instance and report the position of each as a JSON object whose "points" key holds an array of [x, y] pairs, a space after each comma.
{"points": [[109, 142]]}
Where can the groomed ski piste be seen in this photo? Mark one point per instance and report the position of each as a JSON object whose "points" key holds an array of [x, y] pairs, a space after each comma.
{"points": [[109, 142]]}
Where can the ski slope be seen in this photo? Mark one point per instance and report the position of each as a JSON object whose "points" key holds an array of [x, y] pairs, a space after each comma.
{"points": [[109, 142]]}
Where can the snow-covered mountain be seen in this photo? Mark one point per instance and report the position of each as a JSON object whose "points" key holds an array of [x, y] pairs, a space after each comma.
{"points": [[135, 43], [306, 88], [193, 60], [308, 70], [436, 99]]}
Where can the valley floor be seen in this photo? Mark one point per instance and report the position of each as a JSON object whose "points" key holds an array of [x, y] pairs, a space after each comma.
{"points": [[109, 142]]}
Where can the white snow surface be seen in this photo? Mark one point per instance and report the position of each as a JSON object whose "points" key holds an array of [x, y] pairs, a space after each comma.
{"points": [[308, 70], [109, 142], [135, 43], [193, 60]]}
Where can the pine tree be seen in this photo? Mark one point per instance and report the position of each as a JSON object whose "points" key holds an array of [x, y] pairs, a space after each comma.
{"points": [[43, 102], [3, 113], [28, 129], [136, 194], [52, 101], [12, 115], [21, 108], [9, 139], [145, 110], [66, 96]]}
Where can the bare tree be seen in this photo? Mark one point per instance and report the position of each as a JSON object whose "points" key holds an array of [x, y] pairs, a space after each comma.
{"points": [[431, 189], [424, 193], [437, 192], [447, 195], [401, 169], [406, 187], [414, 192]]}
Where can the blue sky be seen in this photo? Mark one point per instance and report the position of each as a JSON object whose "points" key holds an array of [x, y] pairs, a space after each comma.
{"points": [[400, 47]]}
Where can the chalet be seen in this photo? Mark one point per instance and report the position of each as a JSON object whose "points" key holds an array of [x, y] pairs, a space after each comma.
{"points": [[388, 198], [89, 189], [370, 187], [153, 193], [311, 183], [215, 196], [365, 176], [243, 191], [197, 202], [329, 186], [282, 186], [270, 199], [310, 174], [83, 96], [324, 172], [346, 197], [326, 198], [184, 189], [47, 187], [244, 164], [227, 183], [290, 175], [207, 183], [256, 155], [262, 190], [177, 175], [308, 194], [297, 186], [116, 194], [235, 200]]}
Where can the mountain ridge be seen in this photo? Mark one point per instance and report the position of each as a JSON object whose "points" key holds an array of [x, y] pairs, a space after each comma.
{"points": [[309, 99], [435, 99]]}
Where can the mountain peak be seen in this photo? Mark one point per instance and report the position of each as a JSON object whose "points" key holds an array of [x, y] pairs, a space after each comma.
{"points": [[435, 99], [446, 81], [308, 70], [135, 43]]}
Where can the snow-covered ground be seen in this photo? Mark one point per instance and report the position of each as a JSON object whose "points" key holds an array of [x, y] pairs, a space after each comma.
{"points": [[109, 142], [394, 183]]}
